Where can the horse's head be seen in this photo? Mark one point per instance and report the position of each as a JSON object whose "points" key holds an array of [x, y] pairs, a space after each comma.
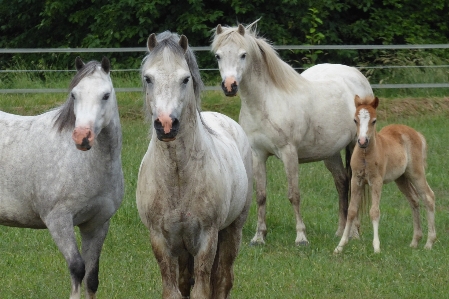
{"points": [[93, 100], [365, 119], [235, 48], [172, 82]]}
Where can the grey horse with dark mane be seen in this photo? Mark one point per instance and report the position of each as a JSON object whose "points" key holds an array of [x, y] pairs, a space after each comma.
{"points": [[63, 169]]}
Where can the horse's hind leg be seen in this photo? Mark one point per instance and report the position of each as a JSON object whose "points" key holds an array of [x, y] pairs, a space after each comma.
{"points": [[227, 249], [427, 195], [260, 178], [91, 243], [407, 189], [342, 182], [61, 229]]}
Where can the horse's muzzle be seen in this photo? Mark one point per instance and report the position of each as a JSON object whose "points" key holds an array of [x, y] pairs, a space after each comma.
{"points": [[160, 132], [363, 143], [230, 87], [83, 138]]}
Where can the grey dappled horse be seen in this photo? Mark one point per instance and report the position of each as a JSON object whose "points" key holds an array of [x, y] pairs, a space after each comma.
{"points": [[63, 169]]}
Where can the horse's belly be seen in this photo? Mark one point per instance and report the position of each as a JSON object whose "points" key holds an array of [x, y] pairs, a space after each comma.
{"points": [[18, 214]]}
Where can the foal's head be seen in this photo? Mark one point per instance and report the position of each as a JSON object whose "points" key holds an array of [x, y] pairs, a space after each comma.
{"points": [[365, 119]]}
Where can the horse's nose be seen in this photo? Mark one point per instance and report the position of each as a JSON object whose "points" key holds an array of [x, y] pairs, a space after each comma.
{"points": [[363, 142], [166, 127], [83, 138], [230, 86]]}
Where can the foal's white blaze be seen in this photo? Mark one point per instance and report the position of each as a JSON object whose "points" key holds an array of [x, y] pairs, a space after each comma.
{"points": [[364, 118]]}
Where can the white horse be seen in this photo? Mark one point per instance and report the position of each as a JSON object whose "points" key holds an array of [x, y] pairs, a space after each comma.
{"points": [[194, 187], [46, 182], [298, 118]]}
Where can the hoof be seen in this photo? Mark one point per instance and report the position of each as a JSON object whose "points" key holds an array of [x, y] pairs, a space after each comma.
{"points": [[257, 242], [338, 250], [302, 243]]}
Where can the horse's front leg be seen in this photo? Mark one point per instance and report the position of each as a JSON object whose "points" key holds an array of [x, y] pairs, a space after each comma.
{"points": [[260, 178], [203, 263], [92, 240], [357, 190], [376, 190], [60, 225], [289, 157], [168, 265]]}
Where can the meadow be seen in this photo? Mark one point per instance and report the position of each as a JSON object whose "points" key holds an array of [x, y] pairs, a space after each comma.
{"points": [[32, 267]]}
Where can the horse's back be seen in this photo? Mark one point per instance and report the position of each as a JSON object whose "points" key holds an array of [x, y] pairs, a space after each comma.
{"points": [[405, 148], [229, 130], [235, 148], [352, 77]]}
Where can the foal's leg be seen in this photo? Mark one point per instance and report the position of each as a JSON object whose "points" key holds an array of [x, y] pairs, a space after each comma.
{"points": [[228, 246], [356, 196], [60, 225], [407, 189], [342, 182], [376, 190], [260, 178], [92, 240], [427, 195]]}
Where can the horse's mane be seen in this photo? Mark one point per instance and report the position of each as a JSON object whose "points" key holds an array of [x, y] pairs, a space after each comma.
{"points": [[65, 118], [282, 74], [170, 40]]}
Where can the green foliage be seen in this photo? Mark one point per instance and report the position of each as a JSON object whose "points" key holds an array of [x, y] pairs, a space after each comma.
{"points": [[128, 23]]}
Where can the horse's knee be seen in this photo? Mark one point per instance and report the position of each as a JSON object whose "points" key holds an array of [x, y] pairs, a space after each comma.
{"points": [[374, 213], [352, 212]]}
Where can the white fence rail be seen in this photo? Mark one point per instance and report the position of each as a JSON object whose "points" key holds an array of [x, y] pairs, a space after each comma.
{"points": [[286, 47]]}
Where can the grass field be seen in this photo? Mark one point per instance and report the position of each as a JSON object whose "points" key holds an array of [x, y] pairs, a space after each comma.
{"points": [[32, 267]]}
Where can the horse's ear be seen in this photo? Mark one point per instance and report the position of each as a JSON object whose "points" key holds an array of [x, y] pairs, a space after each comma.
{"points": [[78, 63], [375, 102], [183, 42], [152, 42], [357, 101], [105, 65], [241, 30], [219, 30]]}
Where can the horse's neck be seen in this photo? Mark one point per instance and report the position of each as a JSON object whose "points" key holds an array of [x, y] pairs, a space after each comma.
{"points": [[257, 85], [110, 137], [192, 140]]}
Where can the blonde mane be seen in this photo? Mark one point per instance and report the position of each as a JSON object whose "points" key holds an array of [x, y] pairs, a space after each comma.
{"points": [[282, 75]]}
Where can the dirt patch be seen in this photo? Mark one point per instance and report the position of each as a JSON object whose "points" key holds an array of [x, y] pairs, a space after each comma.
{"points": [[407, 107]]}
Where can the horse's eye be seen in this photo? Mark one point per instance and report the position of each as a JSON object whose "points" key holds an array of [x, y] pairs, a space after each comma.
{"points": [[186, 80], [355, 120], [148, 80], [374, 121], [243, 56], [217, 56], [72, 96], [106, 96]]}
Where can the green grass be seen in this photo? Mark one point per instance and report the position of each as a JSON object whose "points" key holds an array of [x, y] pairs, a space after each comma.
{"points": [[32, 267]]}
